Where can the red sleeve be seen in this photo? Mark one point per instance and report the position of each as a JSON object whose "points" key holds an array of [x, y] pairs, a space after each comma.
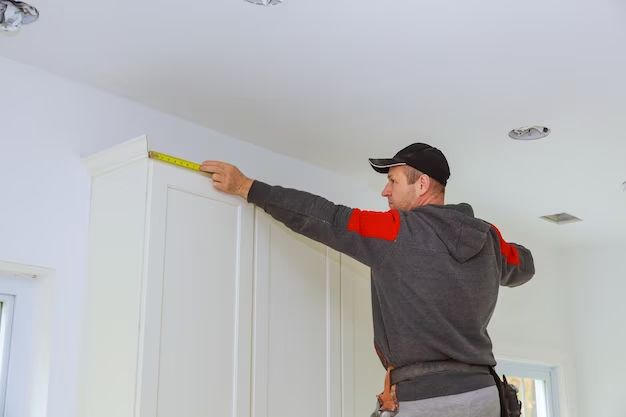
{"points": [[508, 250], [376, 224]]}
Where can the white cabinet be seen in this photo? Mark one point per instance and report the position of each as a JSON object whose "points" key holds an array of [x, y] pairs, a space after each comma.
{"points": [[198, 305], [169, 298], [198, 293]]}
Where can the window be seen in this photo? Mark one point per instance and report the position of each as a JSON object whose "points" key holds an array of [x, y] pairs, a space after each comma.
{"points": [[6, 323], [24, 339], [537, 387]]}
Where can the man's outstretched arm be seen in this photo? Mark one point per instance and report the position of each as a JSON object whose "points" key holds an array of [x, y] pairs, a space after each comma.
{"points": [[363, 235]]}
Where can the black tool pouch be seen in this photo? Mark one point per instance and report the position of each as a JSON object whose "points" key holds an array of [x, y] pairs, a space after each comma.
{"points": [[510, 406]]}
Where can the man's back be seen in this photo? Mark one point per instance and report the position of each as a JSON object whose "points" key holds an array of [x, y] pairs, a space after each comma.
{"points": [[435, 291]]}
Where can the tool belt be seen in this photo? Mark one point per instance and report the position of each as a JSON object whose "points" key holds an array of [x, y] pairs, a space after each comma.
{"points": [[388, 401], [510, 406]]}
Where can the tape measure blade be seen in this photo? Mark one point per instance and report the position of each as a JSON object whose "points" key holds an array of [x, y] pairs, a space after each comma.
{"points": [[183, 163]]}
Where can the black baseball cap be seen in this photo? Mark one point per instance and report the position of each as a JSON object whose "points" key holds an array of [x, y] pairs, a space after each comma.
{"points": [[420, 156]]}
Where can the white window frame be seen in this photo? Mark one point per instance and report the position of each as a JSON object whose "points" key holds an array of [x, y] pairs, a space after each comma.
{"points": [[547, 373], [6, 328], [25, 371]]}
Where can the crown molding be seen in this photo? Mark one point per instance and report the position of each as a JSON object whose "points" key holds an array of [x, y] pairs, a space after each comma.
{"points": [[117, 156]]}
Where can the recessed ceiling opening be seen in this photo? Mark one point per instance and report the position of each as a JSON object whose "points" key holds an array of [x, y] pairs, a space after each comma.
{"points": [[561, 218]]}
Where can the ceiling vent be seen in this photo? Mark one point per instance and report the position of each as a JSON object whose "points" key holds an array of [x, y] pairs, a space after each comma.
{"points": [[561, 218], [529, 133]]}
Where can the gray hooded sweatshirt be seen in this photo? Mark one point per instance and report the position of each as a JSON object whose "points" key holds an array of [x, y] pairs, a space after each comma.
{"points": [[435, 274]]}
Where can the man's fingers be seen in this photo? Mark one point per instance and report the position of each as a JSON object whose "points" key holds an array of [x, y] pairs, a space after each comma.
{"points": [[213, 166], [226, 177], [216, 163]]}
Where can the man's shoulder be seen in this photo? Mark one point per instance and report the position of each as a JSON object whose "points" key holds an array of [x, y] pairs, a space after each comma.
{"points": [[446, 209]]}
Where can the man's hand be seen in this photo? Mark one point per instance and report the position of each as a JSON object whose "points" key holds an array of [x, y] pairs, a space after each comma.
{"points": [[227, 178]]}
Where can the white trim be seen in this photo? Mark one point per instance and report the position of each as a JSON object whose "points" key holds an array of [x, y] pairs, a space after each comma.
{"points": [[117, 156], [22, 270], [333, 333], [6, 329], [261, 314]]}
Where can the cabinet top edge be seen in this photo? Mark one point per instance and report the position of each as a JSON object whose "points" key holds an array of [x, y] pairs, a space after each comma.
{"points": [[117, 156]]}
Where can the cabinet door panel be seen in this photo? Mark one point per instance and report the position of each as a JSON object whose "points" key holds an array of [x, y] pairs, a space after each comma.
{"points": [[198, 310], [296, 338], [363, 374], [199, 300]]}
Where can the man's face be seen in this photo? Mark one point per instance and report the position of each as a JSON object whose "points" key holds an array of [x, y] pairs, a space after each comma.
{"points": [[400, 194]]}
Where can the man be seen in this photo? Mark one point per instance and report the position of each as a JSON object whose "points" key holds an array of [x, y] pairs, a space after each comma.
{"points": [[436, 270]]}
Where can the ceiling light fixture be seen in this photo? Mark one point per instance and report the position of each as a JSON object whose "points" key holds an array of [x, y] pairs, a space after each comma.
{"points": [[529, 133], [265, 2], [14, 14]]}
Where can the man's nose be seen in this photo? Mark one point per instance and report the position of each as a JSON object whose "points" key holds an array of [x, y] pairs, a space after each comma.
{"points": [[386, 192]]}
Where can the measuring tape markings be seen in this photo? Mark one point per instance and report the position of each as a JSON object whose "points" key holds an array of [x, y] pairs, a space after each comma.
{"points": [[159, 156]]}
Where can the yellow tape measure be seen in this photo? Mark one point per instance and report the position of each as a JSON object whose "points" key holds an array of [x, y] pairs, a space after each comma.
{"points": [[159, 156]]}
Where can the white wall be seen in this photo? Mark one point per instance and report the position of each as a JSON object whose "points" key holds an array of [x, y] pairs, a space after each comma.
{"points": [[598, 277], [47, 123]]}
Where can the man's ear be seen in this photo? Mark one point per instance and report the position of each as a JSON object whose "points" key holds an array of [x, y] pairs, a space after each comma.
{"points": [[423, 184]]}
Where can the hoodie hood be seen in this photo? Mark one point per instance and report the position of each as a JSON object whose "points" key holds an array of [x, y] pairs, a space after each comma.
{"points": [[463, 234]]}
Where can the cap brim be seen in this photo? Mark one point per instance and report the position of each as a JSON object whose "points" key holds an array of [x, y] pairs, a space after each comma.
{"points": [[383, 165]]}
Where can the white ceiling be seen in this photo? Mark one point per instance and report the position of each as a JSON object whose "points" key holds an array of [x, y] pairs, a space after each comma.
{"points": [[335, 82]]}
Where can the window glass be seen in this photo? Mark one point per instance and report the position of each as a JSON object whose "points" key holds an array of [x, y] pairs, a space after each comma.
{"points": [[536, 387]]}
